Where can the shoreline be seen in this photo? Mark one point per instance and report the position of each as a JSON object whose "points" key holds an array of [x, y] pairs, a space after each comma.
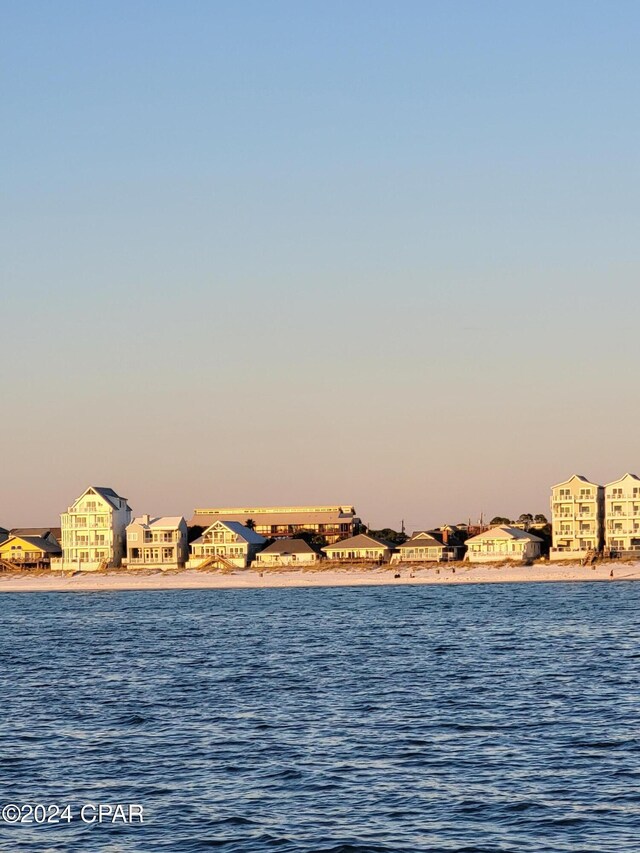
{"points": [[120, 581]]}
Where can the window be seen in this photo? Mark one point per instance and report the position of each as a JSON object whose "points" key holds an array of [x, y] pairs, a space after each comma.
{"points": [[133, 536]]}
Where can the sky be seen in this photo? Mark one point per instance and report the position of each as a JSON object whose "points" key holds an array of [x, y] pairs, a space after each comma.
{"points": [[284, 253]]}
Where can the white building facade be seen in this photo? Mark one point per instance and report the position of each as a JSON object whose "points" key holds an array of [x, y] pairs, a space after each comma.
{"points": [[93, 531], [158, 543]]}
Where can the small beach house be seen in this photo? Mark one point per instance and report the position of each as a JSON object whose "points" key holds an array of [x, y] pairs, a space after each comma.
{"points": [[286, 552], [425, 547], [28, 552], [360, 548], [503, 543]]}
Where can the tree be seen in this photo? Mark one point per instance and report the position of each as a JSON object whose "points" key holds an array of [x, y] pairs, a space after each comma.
{"points": [[389, 535], [500, 519], [316, 540], [526, 516], [250, 523], [540, 519]]}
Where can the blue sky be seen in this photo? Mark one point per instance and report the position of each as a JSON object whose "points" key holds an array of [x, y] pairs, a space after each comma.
{"points": [[384, 253]]}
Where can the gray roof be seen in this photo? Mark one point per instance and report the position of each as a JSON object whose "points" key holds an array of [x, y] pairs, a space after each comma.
{"points": [[107, 493], [44, 532], [362, 540], [289, 546]]}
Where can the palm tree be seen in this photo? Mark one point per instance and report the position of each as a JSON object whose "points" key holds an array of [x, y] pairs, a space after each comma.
{"points": [[250, 523]]}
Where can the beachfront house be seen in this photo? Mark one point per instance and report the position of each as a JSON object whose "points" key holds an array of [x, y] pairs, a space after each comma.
{"points": [[503, 543], [28, 552], [93, 531], [226, 544], [4, 534], [577, 517], [287, 552], [425, 546], [360, 548], [622, 515], [159, 543]]}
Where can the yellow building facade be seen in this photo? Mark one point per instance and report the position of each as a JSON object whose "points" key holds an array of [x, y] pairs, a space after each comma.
{"points": [[577, 516]]}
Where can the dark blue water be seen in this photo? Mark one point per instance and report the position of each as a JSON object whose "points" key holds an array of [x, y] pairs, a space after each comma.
{"points": [[475, 718]]}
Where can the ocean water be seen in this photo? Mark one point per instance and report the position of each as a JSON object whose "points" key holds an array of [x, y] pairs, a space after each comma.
{"points": [[354, 720]]}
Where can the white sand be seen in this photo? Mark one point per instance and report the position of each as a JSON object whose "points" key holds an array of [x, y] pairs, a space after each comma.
{"points": [[248, 578]]}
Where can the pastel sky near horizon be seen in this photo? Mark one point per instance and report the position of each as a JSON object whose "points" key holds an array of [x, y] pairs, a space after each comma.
{"points": [[314, 252]]}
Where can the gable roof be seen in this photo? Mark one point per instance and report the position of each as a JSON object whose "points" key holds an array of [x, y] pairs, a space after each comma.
{"points": [[424, 538], [289, 546], [573, 477], [106, 493], [504, 532], [362, 540], [243, 532], [624, 477]]}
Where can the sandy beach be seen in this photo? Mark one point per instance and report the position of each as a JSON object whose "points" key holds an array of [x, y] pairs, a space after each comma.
{"points": [[375, 576]]}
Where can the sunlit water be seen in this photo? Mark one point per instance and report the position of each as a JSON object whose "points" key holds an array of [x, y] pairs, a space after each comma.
{"points": [[475, 718]]}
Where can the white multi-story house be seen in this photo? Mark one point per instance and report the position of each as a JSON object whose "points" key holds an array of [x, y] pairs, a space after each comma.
{"points": [[577, 516], [93, 530], [622, 514], [159, 543], [227, 544]]}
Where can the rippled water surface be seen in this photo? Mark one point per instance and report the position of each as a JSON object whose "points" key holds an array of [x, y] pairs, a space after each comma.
{"points": [[476, 718]]}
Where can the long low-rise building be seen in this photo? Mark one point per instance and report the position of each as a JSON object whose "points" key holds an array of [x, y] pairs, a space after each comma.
{"points": [[282, 522]]}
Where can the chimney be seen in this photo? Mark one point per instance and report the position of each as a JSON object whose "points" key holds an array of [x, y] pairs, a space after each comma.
{"points": [[445, 535], [146, 519]]}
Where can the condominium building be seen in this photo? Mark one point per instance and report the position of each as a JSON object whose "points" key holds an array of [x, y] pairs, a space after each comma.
{"points": [[159, 543], [622, 514], [93, 530], [282, 522], [577, 516]]}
